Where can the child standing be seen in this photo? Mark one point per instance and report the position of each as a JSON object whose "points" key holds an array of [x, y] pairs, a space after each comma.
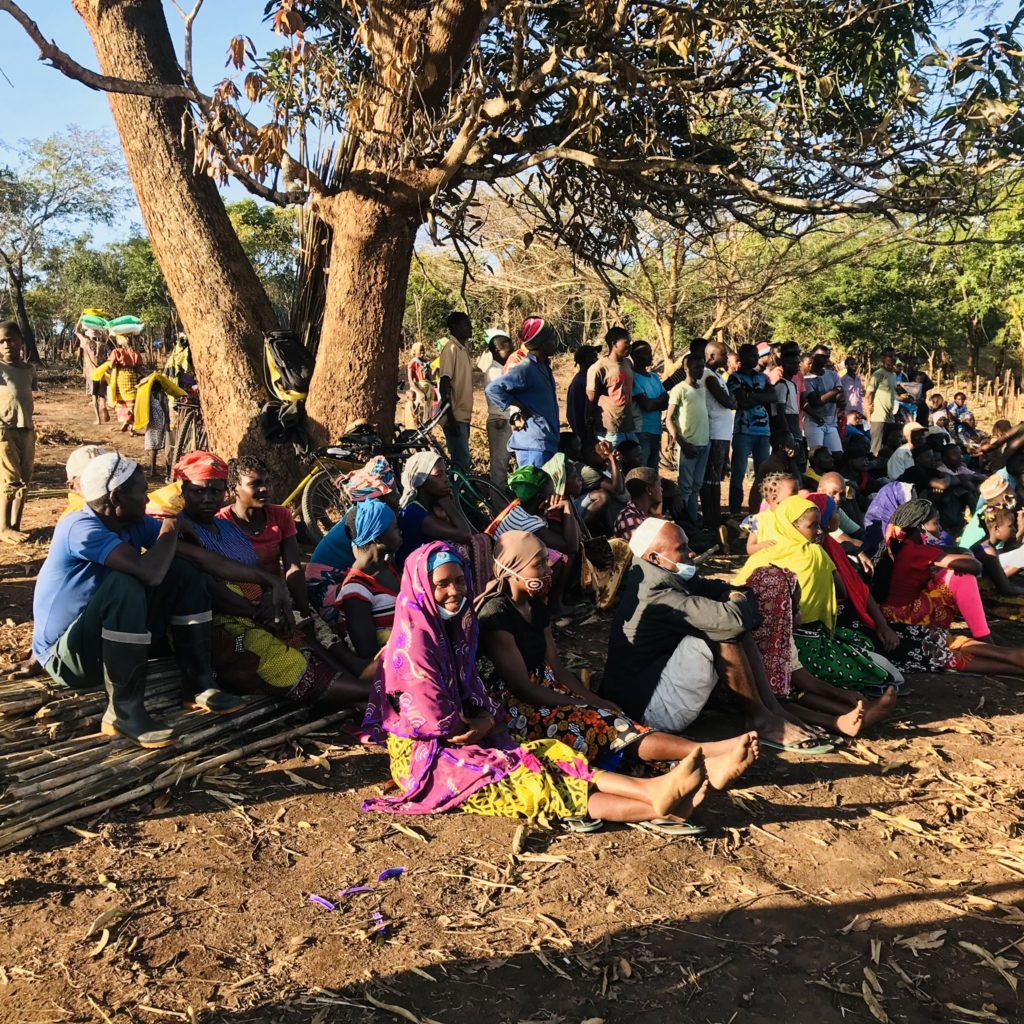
{"points": [[17, 435]]}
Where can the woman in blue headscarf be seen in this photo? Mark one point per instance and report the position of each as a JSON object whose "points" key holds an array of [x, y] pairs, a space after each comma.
{"points": [[370, 589]]}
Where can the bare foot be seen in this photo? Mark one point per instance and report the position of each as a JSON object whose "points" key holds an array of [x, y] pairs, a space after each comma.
{"points": [[783, 730], [728, 766], [672, 790], [878, 710], [852, 722]]}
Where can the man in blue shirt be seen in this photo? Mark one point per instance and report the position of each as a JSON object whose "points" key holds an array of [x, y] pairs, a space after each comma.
{"points": [[650, 400], [527, 393], [751, 432], [99, 602]]}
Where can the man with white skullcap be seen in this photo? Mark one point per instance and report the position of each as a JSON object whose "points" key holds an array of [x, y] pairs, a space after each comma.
{"points": [[110, 585], [674, 635]]}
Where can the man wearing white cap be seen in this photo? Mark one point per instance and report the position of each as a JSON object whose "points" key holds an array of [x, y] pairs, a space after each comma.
{"points": [[99, 602], [675, 634], [903, 457], [77, 461]]}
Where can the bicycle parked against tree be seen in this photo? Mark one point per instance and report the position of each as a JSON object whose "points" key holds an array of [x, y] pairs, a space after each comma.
{"points": [[319, 501]]}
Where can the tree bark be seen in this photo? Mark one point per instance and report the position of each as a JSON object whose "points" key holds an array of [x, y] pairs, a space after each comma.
{"points": [[223, 306], [357, 361]]}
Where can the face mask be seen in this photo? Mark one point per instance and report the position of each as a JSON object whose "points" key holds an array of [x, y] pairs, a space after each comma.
{"points": [[685, 570], [535, 587], [446, 615]]}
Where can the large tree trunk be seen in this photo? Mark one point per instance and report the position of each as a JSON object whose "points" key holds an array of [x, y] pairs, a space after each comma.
{"points": [[222, 304], [357, 362]]}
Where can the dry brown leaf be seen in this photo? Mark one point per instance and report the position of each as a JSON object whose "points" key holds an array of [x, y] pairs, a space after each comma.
{"points": [[102, 944], [876, 951], [872, 980], [999, 964], [873, 1004], [625, 970], [977, 1014], [857, 924], [925, 940], [104, 919], [300, 780]]}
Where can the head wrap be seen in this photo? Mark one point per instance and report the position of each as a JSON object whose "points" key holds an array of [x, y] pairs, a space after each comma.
{"points": [[557, 468], [909, 430], [763, 349], [373, 520], [513, 553], [198, 467], [415, 471], [374, 480], [645, 535], [442, 557], [80, 458], [527, 482], [826, 506], [532, 331], [104, 474], [495, 332], [812, 566], [426, 681]]}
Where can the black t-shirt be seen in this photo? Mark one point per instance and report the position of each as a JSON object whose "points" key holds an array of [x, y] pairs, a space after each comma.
{"points": [[499, 613]]}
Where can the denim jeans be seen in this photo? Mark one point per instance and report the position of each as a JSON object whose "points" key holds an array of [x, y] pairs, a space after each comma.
{"points": [[691, 477], [744, 447], [650, 447], [456, 436]]}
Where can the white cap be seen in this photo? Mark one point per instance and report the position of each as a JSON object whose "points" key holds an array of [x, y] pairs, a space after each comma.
{"points": [[81, 457], [645, 535], [104, 474]]}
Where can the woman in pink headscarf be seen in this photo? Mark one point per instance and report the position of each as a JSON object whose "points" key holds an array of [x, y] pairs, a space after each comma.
{"points": [[447, 740]]}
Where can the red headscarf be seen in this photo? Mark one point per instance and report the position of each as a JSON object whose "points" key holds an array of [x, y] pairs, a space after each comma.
{"points": [[197, 467], [856, 588]]}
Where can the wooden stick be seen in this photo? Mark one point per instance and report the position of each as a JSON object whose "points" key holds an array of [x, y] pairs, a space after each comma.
{"points": [[9, 837]]}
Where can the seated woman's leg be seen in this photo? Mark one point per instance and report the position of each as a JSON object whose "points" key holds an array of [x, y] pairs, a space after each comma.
{"points": [[676, 794], [725, 760], [818, 695], [968, 600]]}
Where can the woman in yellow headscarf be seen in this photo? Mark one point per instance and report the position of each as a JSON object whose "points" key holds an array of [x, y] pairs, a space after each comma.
{"points": [[838, 656]]}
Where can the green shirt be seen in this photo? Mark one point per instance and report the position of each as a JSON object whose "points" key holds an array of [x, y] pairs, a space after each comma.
{"points": [[689, 411], [882, 389]]}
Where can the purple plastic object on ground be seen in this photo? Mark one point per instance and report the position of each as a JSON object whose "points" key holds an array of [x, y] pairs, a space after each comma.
{"points": [[390, 873], [321, 902]]}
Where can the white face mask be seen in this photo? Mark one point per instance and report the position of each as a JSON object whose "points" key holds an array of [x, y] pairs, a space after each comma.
{"points": [[446, 614], [685, 570]]}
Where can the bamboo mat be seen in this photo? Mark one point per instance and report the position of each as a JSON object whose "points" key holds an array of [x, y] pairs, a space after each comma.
{"points": [[55, 767]]}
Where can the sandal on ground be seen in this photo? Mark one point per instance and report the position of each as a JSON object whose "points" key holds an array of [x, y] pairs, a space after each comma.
{"points": [[668, 827], [801, 747], [583, 824]]}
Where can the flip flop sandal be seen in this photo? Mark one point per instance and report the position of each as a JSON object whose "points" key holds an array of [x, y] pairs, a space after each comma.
{"points": [[585, 825], [796, 748], [668, 827]]}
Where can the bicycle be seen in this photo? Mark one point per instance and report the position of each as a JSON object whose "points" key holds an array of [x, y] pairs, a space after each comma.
{"points": [[320, 501], [190, 429]]}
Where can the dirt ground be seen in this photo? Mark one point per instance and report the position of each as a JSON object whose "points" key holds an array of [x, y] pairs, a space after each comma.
{"points": [[881, 883]]}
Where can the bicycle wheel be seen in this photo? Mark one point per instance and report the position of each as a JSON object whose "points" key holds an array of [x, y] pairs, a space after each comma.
{"points": [[184, 435], [480, 499], [323, 505]]}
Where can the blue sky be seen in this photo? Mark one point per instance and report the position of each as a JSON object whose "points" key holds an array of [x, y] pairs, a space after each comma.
{"points": [[37, 100]]}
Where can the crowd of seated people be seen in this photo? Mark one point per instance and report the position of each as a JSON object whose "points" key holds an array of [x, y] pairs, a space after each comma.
{"points": [[860, 552]]}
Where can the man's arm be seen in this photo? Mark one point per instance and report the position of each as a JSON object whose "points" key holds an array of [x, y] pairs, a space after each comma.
{"points": [[716, 620], [504, 391], [718, 392], [151, 567]]}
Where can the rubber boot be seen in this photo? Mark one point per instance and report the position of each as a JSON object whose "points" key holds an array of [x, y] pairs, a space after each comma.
{"points": [[199, 691], [8, 535], [124, 678]]}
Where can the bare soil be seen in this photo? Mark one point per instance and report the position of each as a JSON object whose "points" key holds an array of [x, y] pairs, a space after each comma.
{"points": [[880, 883]]}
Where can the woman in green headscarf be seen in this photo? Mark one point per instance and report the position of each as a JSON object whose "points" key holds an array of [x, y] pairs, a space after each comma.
{"points": [[836, 655]]}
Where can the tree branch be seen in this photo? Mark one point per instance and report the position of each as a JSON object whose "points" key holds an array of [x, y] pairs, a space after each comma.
{"points": [[67, 65]]}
